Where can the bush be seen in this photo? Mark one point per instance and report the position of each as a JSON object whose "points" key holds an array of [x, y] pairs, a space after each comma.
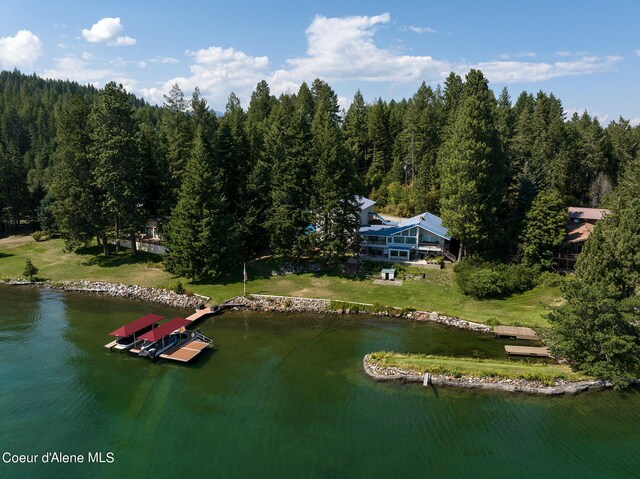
{"points": [[30, 270], [38, 235], [178, 288], [483, 280], [552, 280]]}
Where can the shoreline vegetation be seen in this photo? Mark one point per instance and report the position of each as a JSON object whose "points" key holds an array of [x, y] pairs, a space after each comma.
{"points": [[489, 374], [436, 291]]}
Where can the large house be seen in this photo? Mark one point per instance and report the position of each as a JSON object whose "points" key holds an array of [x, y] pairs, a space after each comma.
{"points": [[580, 223], [415, 238]]}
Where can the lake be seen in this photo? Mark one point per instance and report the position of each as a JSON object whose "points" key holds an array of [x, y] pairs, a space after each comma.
{"points": [[282, 396]]}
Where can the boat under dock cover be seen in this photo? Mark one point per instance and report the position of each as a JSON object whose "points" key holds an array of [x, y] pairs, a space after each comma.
{"points": [[165, 329], [137, 325]]}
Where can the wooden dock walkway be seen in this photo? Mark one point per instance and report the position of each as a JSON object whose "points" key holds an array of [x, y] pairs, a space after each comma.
{"points": [[201, 313], [516, 332], [527, 351], [111, 344]]}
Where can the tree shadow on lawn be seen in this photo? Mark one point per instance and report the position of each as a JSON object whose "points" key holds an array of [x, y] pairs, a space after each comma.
{"points": [[5, 255], [116, 259]]}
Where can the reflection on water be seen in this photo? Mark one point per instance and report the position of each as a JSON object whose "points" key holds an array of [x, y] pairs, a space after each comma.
{"points": [[283, 396]]}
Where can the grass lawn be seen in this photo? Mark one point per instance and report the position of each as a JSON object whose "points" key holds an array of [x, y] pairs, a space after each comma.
{"points": [[437, 292], [514, 369]]}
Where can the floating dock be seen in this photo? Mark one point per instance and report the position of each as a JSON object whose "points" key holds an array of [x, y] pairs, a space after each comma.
{"points": [[515, 332], [191, 346], [527, 351], [186, 352]]}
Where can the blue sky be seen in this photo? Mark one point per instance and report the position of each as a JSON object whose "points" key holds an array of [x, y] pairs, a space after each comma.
{"points": [[585, 52]]}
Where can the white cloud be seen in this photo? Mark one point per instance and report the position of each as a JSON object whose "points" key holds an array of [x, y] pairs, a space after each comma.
{"points": [[21, 50], [77, 69], [344, 49], [507, 56], [525, 72], [421, 30], [86, 56], [217, 72], [635, 122], [569, 53], [637, 52], [108, 30]]}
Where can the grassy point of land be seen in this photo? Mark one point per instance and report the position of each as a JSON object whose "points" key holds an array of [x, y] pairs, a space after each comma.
{"points": [[437, 292], [505, 369]]}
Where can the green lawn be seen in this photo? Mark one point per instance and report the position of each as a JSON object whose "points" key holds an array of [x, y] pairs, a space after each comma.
{"points": [[435, 293], [421, 363]]}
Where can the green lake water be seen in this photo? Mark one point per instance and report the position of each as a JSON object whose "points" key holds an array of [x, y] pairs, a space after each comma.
{"points": [[283, 396]]}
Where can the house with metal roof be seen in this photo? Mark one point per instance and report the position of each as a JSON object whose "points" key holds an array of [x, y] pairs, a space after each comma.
{"points": [[414, 238]]}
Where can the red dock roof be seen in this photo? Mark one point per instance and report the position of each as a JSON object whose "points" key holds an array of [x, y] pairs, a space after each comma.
{"points": [[137, 325], [165, 329]]}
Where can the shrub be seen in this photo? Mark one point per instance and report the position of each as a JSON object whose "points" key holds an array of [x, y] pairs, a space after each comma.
{"points": [[30, 270], [38, 235], [483, 280], [178, 288], [552, 280]]}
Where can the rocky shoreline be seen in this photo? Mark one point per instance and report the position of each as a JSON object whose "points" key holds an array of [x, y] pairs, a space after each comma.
{"points": [[380, 373], [261, 302], [140, 293]]}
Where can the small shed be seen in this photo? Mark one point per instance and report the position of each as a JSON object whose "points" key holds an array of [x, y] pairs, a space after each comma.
{"points": [[388, 273]]}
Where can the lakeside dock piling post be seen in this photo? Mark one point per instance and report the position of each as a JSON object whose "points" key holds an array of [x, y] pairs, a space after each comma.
{"points": [[427, 379]]}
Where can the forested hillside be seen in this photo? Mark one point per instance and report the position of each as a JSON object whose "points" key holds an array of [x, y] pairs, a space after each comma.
{"points": [[93, 163]]}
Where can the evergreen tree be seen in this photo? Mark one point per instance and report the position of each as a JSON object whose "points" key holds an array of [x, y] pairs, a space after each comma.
{"points": [[290, 180], [355, 132], [177, 132], [596, 326], [334, 208], [196, 237], [115, 152], [77, 207], [380, 141], [472, 170], [258, 179], [544, 229]]}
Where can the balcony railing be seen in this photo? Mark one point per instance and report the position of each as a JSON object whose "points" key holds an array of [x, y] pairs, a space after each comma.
{"points": [[374, 242]]}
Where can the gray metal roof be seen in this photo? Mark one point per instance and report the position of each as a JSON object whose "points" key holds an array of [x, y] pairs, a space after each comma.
{"points": [[427, 221], [364, 202]]}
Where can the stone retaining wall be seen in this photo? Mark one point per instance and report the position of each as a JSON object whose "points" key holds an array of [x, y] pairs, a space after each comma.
{"points": [[261, 302], [380, 373], [153, 295]]}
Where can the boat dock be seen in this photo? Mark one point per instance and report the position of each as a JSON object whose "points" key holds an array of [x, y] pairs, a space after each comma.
{"points": [[137, 327], [528, 351], [516, 332], [192, 344]]}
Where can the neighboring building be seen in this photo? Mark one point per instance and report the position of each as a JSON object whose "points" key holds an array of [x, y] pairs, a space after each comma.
{"points": [[415, 238], [149, 241], [580, 223]]}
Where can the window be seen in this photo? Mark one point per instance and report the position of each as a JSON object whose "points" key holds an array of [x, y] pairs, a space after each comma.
{"points": [[398, 239]]}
